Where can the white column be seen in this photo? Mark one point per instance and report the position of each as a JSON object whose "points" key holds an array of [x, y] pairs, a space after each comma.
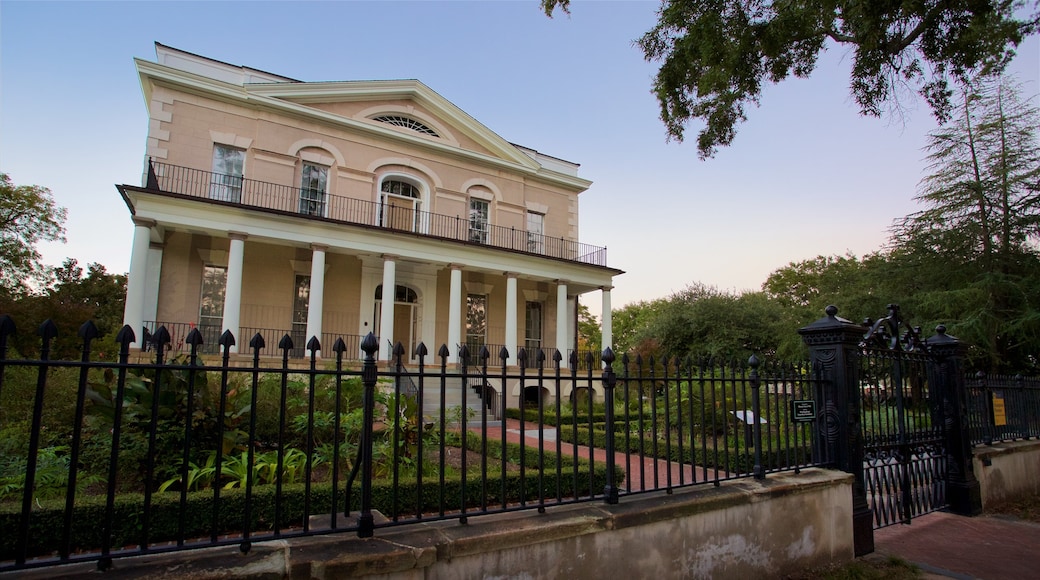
{"points": [[606, 320], [386, 318], [151, 285], [233, 288], [562, 322], [137, 279], [455, 313], [511, 338], [316, 304]]}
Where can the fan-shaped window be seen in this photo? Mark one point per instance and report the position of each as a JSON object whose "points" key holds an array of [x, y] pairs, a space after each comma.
{"points": [[407, 123], [401, 188]]}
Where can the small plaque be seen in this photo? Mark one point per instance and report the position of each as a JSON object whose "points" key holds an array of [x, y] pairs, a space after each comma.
{"points": [[803, 411], [999, 410]]}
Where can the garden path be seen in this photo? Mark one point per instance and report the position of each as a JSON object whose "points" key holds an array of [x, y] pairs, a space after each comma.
{"points": [[641, 473]]}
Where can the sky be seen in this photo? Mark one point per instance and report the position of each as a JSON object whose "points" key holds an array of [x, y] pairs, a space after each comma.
{"points": [[806, 175]]}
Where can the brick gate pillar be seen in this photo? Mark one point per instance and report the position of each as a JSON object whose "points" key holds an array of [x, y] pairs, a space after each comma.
{"points": [[834, 350], [946, 375]]}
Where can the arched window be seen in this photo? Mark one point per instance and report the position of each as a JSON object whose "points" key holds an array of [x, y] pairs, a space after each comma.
{"points": [[407, 123], [399, 204]]}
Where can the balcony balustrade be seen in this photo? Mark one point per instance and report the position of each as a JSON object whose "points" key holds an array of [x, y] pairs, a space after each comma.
{"points": [[251, 193]]}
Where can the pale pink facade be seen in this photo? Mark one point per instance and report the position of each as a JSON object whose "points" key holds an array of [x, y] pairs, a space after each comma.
{"points": [[274, 206]]}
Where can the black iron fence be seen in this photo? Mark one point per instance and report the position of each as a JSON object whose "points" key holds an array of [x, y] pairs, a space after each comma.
{"points": [[1003, 408], [285, 198], [103, 459]]}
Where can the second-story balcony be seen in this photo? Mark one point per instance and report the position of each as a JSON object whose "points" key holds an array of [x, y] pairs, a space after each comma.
{"points": [[403, 217]]}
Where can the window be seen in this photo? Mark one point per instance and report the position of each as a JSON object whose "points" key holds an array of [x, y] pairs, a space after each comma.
{"points": [[399, 204], [476, 324], [535, 232], [211, 306], [532, 332], [478, 221], [312, 189], [300, 309], [407, 123], [226, 184]]}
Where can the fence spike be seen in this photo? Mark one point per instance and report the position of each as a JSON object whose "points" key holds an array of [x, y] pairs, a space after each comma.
{"points": [[573, 359], [398, 350], [88, 331], [421, 350], [227, 339], [194, 338], [443, 351], [314, 345], [485, 354], [370, 344], [503, 353], [257, 342], [608, 355], [286, 343], [339, 347], [48, 330], [125, 336], [161, 337]]}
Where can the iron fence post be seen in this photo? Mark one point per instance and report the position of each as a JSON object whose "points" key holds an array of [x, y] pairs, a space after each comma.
{"points": [[963, 491], [834, 349], [369, 375], [756, 408], [610, 490]]}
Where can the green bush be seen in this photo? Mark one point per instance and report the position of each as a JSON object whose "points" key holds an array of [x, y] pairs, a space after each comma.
{"points": [[88, 532]]}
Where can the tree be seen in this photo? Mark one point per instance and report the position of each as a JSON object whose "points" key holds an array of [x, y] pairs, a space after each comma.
{"points": [[632, 322], [70, 299], [716, 54], [590, 335], [28, 215], [860, 288], [980, 228]]}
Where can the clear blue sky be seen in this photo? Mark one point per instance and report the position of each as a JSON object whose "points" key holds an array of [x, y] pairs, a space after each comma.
{"points": [[806, 176]]}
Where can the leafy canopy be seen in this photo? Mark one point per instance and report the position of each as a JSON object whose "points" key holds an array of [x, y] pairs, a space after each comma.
{"points": [[28, 215], [714, 55]]}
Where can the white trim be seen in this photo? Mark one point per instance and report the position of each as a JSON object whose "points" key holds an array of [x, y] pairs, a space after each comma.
{"points": [[383, 163], [535, 207], [230, 139], [480, 181], [294, 150]]}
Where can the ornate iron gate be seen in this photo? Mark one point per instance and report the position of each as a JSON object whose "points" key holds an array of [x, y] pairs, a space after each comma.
{"points": [[905, 460]]}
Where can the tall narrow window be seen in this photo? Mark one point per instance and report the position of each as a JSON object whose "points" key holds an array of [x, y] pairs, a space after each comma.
{"points": [[532, 332], [478, 221], [476, 323], [312, 189], [301, 306], [211, 305], [535, 232], [226, 184]]}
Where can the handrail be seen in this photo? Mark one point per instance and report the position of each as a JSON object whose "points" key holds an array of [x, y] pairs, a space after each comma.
{"points": [[240, 191]]}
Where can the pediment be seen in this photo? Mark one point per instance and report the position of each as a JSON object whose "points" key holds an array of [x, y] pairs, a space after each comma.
{"points": [[403, 107]]}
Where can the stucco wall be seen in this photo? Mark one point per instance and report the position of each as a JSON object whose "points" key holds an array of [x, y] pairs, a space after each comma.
{"points": [[1007, 470], [744, 529]]}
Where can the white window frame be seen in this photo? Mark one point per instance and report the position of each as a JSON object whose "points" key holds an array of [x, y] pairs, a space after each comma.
{"points": [[226, 180]]}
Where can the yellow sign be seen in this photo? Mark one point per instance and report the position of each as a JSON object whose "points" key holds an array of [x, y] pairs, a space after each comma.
{"points": [[999, 412]]}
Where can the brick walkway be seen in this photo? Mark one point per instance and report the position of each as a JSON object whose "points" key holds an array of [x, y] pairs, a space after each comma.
{"points": [[951, 546], [650, 475]]}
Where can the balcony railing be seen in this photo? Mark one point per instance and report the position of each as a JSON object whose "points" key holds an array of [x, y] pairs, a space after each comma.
{"points": [[284, 198]]}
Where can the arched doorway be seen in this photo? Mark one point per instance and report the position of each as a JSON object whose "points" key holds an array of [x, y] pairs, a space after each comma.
{"points": [[406, 317]]}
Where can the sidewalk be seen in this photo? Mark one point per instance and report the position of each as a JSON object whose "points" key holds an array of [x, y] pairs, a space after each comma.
{"points": [[950, 546]]}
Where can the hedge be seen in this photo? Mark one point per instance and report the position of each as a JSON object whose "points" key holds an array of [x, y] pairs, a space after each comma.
{"points": [[47, 519]]}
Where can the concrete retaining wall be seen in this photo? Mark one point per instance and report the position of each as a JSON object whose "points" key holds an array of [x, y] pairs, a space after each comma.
{"points": [[743, 529], [1007, 471]]}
